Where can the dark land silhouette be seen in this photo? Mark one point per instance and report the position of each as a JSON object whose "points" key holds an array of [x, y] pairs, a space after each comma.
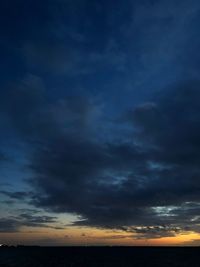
{"points": [[99, 256]]}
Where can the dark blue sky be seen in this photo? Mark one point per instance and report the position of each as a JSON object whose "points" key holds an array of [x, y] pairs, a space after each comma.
{"points": [[99, 111]]}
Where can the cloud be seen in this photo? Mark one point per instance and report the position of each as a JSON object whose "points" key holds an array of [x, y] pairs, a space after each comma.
{"points": [[148, 232], [11, 224], [3, 157], [118, 184], [150, 182], [19, 195], [111, 185], [59, 58], [8, 225]]}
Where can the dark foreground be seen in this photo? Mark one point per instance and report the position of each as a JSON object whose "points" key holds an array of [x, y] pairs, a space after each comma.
{"points": [[100, 256]]}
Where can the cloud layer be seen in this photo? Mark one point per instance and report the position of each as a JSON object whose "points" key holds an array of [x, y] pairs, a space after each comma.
{"points": [[147, 184]]}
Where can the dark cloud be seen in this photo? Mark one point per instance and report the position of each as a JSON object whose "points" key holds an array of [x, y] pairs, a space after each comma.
{"points": [[36, 220], [147, 182], [148, 232], [111, 185], [8, 225], [2, 157], [28, 219], [19, 195]]}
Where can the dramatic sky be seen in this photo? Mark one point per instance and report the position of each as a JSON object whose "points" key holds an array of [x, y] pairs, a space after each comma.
{"points": [[100, 122]]}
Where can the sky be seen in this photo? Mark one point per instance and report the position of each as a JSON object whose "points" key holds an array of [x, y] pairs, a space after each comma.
{"points": [[100, 122]]}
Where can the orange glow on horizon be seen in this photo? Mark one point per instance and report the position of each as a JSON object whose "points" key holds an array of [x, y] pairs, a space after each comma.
{"points": [[87, 236]]}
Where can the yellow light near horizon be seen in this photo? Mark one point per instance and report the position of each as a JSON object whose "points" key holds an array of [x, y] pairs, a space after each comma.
{"points": [[92, 236], [178, 240]]}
